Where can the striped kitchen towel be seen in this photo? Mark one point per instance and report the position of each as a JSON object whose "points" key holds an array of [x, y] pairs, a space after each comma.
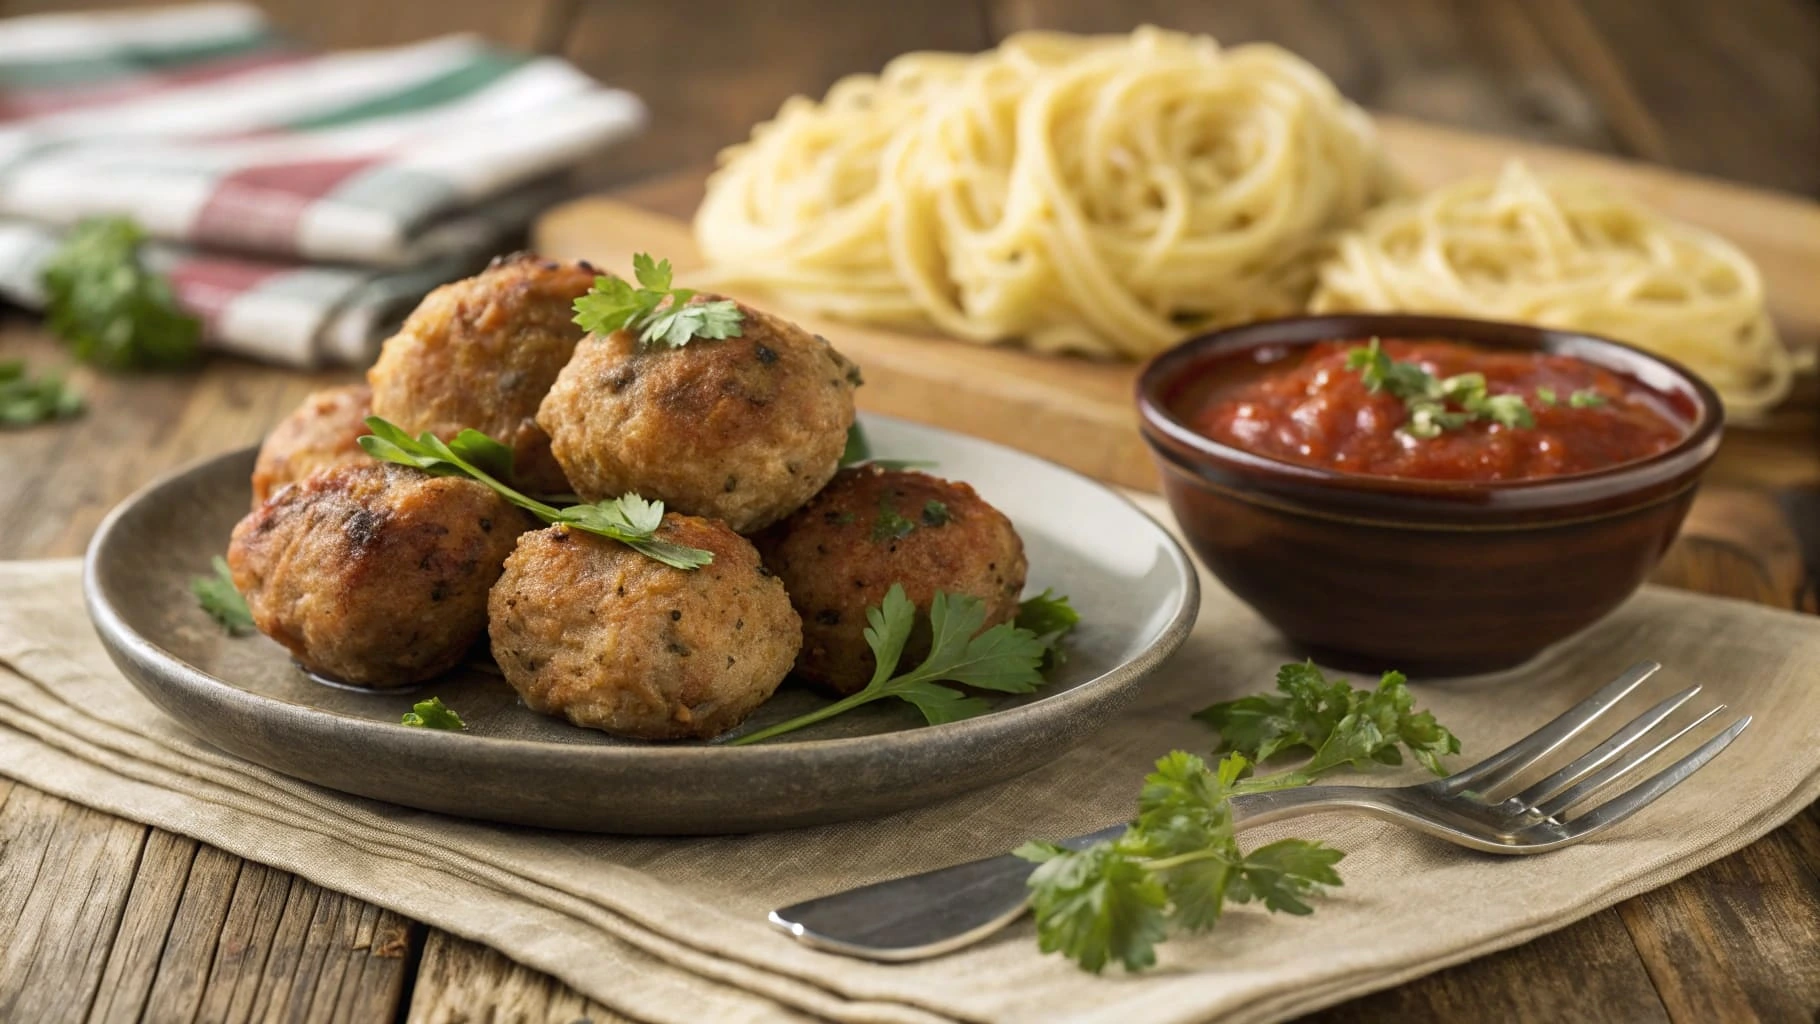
{"points": [[314, 188]]}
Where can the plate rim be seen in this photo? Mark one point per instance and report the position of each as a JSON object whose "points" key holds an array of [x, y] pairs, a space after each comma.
{"points": [[155, 661]]}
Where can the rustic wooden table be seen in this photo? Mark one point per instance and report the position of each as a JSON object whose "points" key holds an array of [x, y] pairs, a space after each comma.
{"points": [[104, 919]]}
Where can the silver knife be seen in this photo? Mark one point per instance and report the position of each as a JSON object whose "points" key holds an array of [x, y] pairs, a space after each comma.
{"points": [[922, 915]]}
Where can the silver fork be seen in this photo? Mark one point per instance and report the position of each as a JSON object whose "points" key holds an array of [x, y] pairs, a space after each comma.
{"points": [[940, 911]]}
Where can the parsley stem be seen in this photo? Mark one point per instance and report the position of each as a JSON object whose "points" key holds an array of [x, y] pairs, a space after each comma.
{"points": [[1165, 863], [847, 703]]}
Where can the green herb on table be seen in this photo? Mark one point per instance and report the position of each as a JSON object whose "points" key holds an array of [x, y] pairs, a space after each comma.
{"points": [[1436, 405], [1335, 722], [25, 400], [1179, 864], [432, 714], [221, 599], [859, 452], [629, 519], [1004, 659], [612, 304], [112, 310]]}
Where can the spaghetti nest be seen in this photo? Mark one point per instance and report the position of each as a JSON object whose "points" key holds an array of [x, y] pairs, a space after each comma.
{"points": [[1568, 253], [1102, 195]]}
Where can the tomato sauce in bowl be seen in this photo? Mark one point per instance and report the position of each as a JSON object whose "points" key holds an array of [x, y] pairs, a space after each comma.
{"points": [[1314, 405]]}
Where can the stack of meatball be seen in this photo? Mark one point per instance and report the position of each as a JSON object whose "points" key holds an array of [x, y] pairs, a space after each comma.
{"points": [[379, 575]]}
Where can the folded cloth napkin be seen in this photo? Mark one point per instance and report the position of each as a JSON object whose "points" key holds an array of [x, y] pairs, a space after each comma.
{"points": [[673, 930], [254, 159]]}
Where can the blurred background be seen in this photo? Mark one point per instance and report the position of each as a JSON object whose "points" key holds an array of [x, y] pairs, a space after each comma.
{"points": [[1727, 89]]}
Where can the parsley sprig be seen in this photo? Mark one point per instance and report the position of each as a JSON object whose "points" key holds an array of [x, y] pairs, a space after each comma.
{"points": [[1004, 659], [433, 714], [612, 304], [25, 399], [1178, 864], [629, 519], [222, 600], [113, 311], [1337, 723]]}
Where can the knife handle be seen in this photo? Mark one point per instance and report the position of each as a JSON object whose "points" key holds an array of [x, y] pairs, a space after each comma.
{"points": [[920, 916]]}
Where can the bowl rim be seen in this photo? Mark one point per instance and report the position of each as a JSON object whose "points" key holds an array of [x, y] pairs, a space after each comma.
{"points": [[1165, 369]]}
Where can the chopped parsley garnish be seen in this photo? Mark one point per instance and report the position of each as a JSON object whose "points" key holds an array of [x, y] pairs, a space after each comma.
{"points": [[1179, 864], [1585, 398], [432, 714], [1004, 659], [112, 310], [629, 519], [25, 400], [935, 513], [612, 304], [890, 525], [1436, 404], [221, 599]]}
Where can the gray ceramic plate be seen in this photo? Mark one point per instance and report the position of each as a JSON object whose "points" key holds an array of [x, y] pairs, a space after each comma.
{"points": [[1133, 585]]}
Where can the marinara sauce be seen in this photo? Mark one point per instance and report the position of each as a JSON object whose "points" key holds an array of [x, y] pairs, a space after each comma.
{"points": [[1303, 405]]}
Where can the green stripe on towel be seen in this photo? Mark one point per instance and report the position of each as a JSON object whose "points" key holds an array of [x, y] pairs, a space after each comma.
{"points": [[485, 68]]}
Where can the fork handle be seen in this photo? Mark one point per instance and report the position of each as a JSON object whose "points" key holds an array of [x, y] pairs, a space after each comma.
{"points": [[937, 912]]}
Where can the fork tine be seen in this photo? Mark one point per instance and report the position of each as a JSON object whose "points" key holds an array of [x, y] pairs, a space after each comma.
{"points": [[1643, 794], [1597, 757], [1582, 791], [1506, 764]]}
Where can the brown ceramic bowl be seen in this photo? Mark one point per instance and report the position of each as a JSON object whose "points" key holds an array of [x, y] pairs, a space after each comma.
{"points": [[1439, 577]]}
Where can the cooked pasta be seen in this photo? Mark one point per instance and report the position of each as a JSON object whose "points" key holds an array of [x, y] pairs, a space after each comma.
{"points": [[1566, 252], [1103, 195]]}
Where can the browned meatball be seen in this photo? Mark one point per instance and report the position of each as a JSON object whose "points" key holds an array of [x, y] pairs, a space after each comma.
{"points": [[873, 527], [323, 432], [743, 429], [374, 575], [481, 353], [587, 628]]}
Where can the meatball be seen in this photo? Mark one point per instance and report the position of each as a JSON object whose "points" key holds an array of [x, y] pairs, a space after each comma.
{"points": [[742, 429], [374, 575], [873, 527], [481, 353], [323, 432], [587, 628]]}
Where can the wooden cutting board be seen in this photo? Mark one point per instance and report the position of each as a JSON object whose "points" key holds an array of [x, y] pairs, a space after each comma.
{"points": [[1080, 413]]}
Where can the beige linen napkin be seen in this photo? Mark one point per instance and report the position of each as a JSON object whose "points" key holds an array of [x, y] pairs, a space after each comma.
{"points": [[673, 929]]}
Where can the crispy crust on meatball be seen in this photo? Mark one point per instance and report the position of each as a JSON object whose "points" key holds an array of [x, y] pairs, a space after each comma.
{"points": [[873, 527], [481, 353], [321, 433], [586, 628], [374, 575], [743, 429]]}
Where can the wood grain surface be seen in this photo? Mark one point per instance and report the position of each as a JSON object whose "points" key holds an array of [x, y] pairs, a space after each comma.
{"points": [[102, 919]]}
